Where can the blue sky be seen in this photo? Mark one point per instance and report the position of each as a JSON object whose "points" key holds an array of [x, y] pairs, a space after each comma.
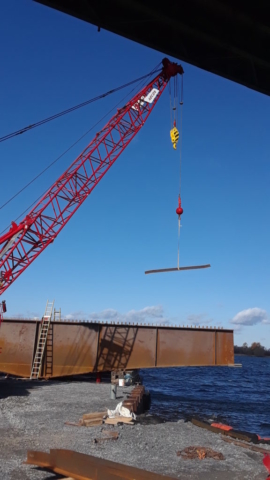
{"points": [[95, 268]]}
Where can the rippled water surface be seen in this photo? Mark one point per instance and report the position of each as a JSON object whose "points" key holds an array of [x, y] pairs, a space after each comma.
{"points": [[238, 396]]}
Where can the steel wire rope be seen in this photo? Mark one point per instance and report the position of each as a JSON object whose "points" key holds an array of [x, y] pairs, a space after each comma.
{"points": [[180, 162], [142, 80], [62, 154], [181, 127], [71, 109], [175, 101], [170, 94]]}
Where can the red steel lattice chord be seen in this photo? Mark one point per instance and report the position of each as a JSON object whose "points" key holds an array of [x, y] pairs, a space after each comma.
{"points": [[24, 242]]}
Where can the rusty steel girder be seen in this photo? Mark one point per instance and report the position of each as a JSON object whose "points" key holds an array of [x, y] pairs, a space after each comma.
{"points": [[83, 347], [86, 467]]}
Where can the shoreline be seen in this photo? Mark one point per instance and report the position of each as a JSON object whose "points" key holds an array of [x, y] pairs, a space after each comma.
{"points": [[251, 356], [33, 416]]}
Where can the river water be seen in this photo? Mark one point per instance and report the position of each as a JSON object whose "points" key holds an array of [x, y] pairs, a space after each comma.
{"points": [[239, 397]]}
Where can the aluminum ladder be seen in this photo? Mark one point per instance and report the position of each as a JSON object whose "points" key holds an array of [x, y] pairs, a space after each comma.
{"points": [[41, 344]]}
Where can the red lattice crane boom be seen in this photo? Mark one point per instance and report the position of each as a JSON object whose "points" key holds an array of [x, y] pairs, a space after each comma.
{"points": [[24, 242]]}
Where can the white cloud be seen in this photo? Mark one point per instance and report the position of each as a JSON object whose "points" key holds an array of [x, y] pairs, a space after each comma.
{"points": [[198, 319], [251, 316], [77, 315], [145, 315]]}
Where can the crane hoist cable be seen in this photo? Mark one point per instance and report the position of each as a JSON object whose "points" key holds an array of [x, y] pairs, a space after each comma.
{"points": [[174, 120], [176, 135], [141, 80], [179, 209], [75, 107]]}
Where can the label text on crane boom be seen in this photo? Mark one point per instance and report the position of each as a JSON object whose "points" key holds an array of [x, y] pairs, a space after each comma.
{"points": [[150, 97]]}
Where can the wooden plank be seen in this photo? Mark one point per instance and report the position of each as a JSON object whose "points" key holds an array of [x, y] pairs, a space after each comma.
{"points": [[115, 420], [104, 439], [92, 422], [94, 415], [195, 267], [110, 433], [108, 436]]}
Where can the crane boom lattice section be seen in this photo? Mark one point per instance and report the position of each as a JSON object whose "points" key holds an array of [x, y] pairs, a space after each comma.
{"points": [[24, 242]]}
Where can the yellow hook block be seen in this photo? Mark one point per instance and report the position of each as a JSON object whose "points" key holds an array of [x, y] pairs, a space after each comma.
{"points": [[174, 133]]}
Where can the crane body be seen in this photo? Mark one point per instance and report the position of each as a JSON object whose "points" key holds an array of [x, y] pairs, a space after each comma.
{"points": [[24, 242]]}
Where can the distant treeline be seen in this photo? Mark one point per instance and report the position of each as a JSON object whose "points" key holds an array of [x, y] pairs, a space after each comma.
{"points": [[255, 349]]}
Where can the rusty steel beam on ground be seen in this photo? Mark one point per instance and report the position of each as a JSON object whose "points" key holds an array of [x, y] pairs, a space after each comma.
{"points": [[86, 467], [84, 347]]}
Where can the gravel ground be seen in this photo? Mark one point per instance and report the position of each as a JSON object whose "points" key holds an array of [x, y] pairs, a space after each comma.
{"points": [[32, 417]]}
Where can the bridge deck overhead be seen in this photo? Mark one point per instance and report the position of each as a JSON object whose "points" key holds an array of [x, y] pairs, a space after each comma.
{"points": [[230, 38]]}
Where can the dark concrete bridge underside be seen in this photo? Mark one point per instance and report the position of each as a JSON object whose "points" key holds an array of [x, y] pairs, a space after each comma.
{"points": [[230, 38]]}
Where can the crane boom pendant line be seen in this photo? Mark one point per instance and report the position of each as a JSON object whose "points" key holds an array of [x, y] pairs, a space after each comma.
{"points": [[52, 212]]}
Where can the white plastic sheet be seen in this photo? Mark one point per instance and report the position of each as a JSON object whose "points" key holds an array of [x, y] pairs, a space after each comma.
{"points": [[121, 411]]}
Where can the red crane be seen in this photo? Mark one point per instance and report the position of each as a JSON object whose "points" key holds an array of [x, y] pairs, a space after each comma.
{"points": [[25, 241]]}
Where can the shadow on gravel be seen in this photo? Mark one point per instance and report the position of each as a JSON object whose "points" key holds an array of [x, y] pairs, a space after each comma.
{"points": [[51, 475], [16, 387]]}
